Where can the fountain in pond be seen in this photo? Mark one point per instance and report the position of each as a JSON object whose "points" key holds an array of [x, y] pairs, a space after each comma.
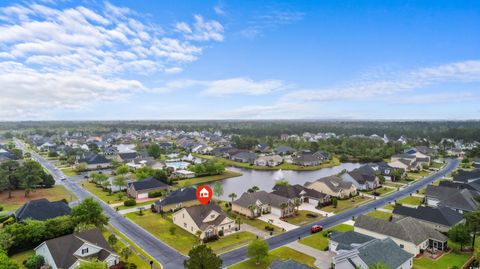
{"points": [[279, 175]]}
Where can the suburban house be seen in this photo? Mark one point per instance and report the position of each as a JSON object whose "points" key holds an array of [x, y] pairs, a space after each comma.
{"points": [[364, 178], [438, 218], [460, 200], [93, 160], [305, 195], [209, 219], [244, 157], [409, 162], [262, 148], [261, 202], [408, 233], [5, 155], [177, 199], [125, 157], [270, 160], [42, 209], [344, 241], [69, 250], [333, 186], [371, 253], [466, 176], [141, 189], [180, 174], [284, 150], [288, 264], [307, 159], [472, 185], [386, 170]]}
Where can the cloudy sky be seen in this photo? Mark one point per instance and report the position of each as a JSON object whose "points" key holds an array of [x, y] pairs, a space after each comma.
{"points": [[175, 59]]}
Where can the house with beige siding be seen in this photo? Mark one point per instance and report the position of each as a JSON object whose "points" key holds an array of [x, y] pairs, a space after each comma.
{"points": [[257, 203], [178, 199], [333, 186]]}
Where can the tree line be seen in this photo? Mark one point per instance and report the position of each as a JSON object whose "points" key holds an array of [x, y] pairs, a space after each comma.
{"points": [[26, 176]]}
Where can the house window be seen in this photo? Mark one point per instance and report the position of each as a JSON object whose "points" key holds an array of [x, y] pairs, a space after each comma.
{"points": [[212, 216], [183, 215], [184, 225], [401, 245], [85, 251], [191, 228]]}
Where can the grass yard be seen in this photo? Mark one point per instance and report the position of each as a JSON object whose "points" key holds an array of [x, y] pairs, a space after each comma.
{"points": [[380, 214], [437, 165], [20, 257], [411, 200], [252, 222], [302, 218], [344, 205], [446, 261], [382, 191], [100, 193], [415, 176], [284, 166], [283, 253], [202, 180], [142, 204], [389, 207], [320, 241], [232, 241], [69, 171], [55, 193], [395, 185]]}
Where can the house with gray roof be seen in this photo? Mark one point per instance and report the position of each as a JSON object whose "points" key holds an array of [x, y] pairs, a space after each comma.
{"points": [[261, 202], [42, 209], [334, 186], [373, 252], [466, 176], [69, 251], [364, 178], [288, 264], [438, 218], [183, 197], [305, 195], [244, 157], [141, 189], [460, 200], [346, 240], [408, 233]]}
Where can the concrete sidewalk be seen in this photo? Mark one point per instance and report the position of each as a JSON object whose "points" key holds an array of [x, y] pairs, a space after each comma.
{"points": [[323, 258], [277, 222]]}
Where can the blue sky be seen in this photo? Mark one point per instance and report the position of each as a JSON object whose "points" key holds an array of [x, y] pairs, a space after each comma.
{"points": [[96, 60]]}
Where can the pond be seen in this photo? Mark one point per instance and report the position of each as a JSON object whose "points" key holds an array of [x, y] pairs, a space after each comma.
{"points": [[265, 179]]}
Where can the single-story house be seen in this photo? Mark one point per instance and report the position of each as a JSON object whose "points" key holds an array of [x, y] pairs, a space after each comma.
{"points": [[182, 174], [284, 150], [270, 160], [472, 185], [69, 250], [42, 209], [126, 157], [307, 159], [460, 200], [306, 195], [408, 233], [177, 199], [209, 219], [333, 186], [364, 178], [373, 252], [438, 218], [466, 176], [94, 160], [262, 148], [261, 202], [141, 189], [288, 264], [344, 241], [244, 157]]}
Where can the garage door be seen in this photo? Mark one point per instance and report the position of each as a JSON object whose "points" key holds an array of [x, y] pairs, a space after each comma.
{"points": [[313, 202], [276, 211], [142, 195]]}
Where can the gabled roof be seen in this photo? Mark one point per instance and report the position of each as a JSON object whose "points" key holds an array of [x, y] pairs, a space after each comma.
{"points": [[294, 191], [288, 264], [466, 176], [474, 185], [127, 156], [42, 209], [346, 239], [463, 199], [200, 212], [179, 196], [283, 149], [363, 174], [92, 158], [148, 183], [385, 251], [407, 229], [334, 182], [63, 248], [264, 197], [440, 215]]}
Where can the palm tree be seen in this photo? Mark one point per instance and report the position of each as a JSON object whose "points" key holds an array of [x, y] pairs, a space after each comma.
{"points": [[297, 202], [238, 221], [282, 207], [252, 209], [199, 234], [233, 196]]}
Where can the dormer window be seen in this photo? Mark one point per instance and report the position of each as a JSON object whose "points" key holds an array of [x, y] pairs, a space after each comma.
{"points": [[85, 251], [212, 216]]}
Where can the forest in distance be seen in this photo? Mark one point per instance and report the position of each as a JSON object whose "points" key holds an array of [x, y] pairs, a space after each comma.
{"points": [[433, 130]]}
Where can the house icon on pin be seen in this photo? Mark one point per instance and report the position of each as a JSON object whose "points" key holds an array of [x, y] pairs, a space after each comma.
{"points": [[204, 193]]}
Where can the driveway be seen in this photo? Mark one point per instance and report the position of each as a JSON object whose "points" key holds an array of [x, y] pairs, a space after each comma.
{"points": [[323, 258], [311, 208], [277, 222]]}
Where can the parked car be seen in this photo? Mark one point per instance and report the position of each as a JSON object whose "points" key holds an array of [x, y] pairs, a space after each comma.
{"points": [[316, 229]]}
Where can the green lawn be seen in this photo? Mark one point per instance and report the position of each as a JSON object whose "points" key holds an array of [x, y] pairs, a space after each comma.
{"points": [[320, 241], [389, 207], [446, 261], [232, 241], [142, 204], [437, 165], [411, 200], [100, 193], [202, 180], [284, 166], [347, 204], [57, 192], [20, 257], [415, 176], [283, 253], [252, 222], [382, 191], [301, 218], [380, 214], [69, 172]]}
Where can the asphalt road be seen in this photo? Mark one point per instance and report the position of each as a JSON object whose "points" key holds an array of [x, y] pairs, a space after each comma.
{"points": [[161, 252], [239, 254]]}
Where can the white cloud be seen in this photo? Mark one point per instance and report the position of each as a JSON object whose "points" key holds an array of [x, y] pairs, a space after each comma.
{"points": [[219, 10], [270, 19], [439, 98], [201, 30], [223, 87]]}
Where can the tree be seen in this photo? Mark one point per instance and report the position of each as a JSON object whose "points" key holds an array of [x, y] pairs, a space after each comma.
{"points": [[6, 262], [297, 202], [202, 257], [93, 264], [32, 174], [126, 252], [122, 170], [459, 234], [379, 265], [48, 181], [120, 182], [253, 189], [283, 206], [334, 202], [112, 240], [232, 196], [252, 208], [396, 174], [81, 167], [162, 176], [89, 212], [473, 224], [34, 262], [6, 240], [258, 250], [281, 182], [154, 150], [10, 174], [217, 189]]}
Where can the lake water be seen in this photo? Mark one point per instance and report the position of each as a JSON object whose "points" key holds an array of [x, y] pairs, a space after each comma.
{"points": [[265, 180]]}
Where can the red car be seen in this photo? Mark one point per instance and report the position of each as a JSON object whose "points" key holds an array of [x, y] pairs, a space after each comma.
{"points": [[316, 229]]}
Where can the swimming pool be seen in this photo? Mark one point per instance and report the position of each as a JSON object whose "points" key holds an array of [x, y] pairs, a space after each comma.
{"points": [[177, 165]]}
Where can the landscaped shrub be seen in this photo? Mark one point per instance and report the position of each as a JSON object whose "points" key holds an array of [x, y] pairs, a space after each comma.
{"points": [[155, 194], [1, 208], [312, 215], [130, 202], [269, 228], [220, 233], [376, 193], [34, 262], [210, 239], [326, 248]]}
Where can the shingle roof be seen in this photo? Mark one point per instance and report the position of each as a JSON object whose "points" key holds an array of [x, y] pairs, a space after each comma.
{"points": [[440, 215], [334, 182], [465, 176], [179, 196], [148, 183], [407, 229], [363, 174], [294, 191], [63, 248], [346, 239], [265, 198], [384, 251], [200, 212], [93, 158], [42, 209], [463, 199], [127, 156], [288, 264]]}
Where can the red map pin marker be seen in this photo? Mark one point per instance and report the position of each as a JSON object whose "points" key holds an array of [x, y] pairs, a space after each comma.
{"points": [[204, 194]]}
